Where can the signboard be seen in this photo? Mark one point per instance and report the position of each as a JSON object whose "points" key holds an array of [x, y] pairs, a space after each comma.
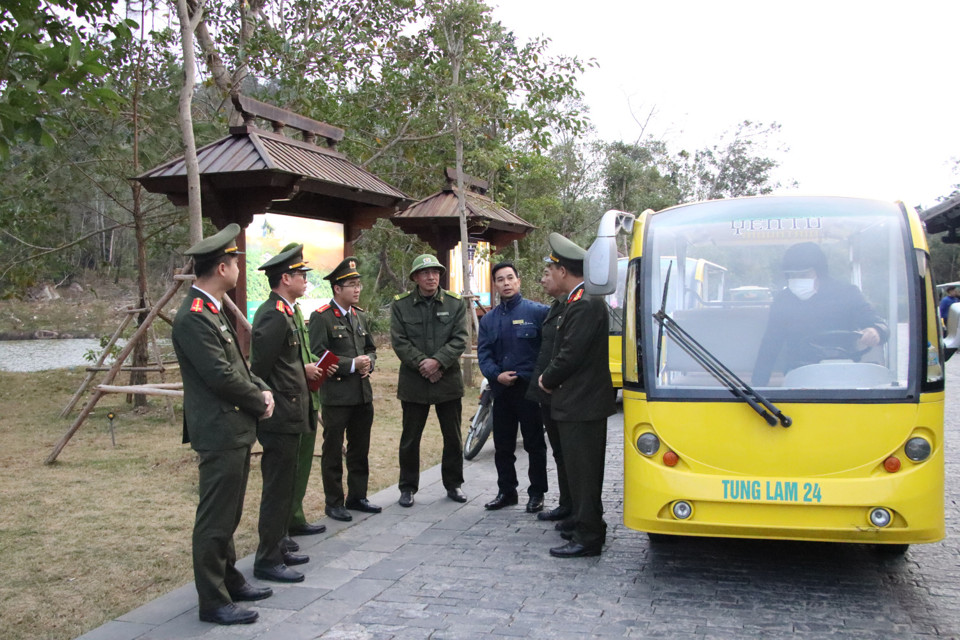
{"points": [[322, 247]]}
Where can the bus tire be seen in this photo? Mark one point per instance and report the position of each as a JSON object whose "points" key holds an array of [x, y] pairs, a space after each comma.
{"points": [[891, 550], [661, 538]]}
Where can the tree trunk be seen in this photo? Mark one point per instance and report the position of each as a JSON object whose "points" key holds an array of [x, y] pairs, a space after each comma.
{"points": [[456, 51], [187, 27], [140, 350]]}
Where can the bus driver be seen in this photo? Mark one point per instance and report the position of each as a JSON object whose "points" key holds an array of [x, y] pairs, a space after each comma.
{"points": [[812, 306]]}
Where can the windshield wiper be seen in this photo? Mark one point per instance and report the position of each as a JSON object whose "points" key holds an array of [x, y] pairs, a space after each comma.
{"points": [[717, 369], [663, 308]]}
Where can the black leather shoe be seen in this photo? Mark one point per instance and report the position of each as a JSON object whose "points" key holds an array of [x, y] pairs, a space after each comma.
{"points": [[574, 550], [307, 529], [249, 593], [229, 614], [502, 500], [338, 513], [289, 545], [291, 559], [534, 504], [363, 505], [456, 495], [279, 573], [406, 499], [565, 525], [557, 513]]}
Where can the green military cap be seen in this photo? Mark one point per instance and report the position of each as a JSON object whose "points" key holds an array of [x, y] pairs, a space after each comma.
{"points": [[426, 261], [289, 259], [564, 252], [344, 271], [223, 242]]}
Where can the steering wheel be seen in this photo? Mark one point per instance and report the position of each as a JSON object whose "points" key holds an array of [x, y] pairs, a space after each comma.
{"points": [[837, 344]]}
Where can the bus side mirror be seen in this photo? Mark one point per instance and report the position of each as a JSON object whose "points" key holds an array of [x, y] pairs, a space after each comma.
{"points": [[952, 339], [600, 265]]}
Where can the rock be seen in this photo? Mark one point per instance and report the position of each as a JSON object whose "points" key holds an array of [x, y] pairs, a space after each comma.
{"points": [[74, 291], [43, 293]]}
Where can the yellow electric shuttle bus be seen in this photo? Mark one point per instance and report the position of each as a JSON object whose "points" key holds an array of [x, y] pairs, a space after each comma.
{"points": [[811, 412]]}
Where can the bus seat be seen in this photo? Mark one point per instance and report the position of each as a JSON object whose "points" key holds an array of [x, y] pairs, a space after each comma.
{"points": [[839, 374], [732, 334]]}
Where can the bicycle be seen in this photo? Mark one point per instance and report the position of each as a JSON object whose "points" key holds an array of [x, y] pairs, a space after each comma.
{"points": [[481, 425]]}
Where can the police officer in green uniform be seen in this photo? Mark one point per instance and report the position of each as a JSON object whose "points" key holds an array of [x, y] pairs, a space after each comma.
{"points": [[275, 356], [428, 334], [578, 378], [341, 327], [222, 401], [299, 526], [548, 332]]}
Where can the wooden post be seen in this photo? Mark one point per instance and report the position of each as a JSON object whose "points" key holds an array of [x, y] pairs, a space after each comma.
{"points": [[93, 371], [141, 330]]}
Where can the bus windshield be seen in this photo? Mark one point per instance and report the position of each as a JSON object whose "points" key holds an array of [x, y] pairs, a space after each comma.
{"points": [[802, 298]]}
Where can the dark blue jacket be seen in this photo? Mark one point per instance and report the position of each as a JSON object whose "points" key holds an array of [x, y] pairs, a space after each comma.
{"points": [[945, 303], [509, 339]]}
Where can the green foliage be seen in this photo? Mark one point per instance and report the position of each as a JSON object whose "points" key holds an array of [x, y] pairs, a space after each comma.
{"points": [[385, 254], [736, 166], [92, 355], [69, 208], [51, 51], [637, 177], [944, 260]]}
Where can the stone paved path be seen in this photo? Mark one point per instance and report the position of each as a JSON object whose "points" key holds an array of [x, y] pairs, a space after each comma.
{"points": [[443, 570]]}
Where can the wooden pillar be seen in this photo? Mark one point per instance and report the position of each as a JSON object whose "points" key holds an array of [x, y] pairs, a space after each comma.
{"points": [[239, 295]]}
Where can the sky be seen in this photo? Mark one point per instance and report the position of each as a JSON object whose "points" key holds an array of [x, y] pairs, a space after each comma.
{"points": [[865, 92]]}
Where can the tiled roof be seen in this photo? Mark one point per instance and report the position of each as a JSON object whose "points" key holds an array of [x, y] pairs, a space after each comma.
{"points": [[259, 150], [480, 209]]}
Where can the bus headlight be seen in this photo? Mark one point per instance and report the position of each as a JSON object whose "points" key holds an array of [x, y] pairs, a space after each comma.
{"points": [[648, 444], [917, 449], [682, 510], [880, 517]]}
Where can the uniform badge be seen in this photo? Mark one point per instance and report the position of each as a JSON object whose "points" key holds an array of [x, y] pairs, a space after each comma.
{"points": [[213, 308], [337, 313], [576, 296], [197, 305]]}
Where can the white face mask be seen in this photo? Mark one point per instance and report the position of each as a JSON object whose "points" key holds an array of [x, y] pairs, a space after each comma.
{"points": [[803, 288]]}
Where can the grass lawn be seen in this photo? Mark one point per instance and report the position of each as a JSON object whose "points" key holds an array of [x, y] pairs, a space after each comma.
{"points": [[106, 529]]}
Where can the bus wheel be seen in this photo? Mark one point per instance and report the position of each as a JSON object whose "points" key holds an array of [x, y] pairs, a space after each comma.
{"points": [[661, 538], [891, 550]]}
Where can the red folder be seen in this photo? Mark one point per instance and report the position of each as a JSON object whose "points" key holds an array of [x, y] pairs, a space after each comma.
{"points": [[327, 359]]}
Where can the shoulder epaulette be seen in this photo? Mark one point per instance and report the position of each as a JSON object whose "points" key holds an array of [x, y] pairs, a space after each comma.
{"points": [[361, 309], [453, 294], [401, 296], [197, 305], [576, 296], [323, 308]]}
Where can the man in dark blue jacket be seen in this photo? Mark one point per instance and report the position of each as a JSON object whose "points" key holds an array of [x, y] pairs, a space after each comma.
{"points": [[507, 349]]}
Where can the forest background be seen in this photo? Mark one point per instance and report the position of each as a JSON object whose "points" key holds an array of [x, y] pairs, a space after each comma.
{"points": [[89, 100]]}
